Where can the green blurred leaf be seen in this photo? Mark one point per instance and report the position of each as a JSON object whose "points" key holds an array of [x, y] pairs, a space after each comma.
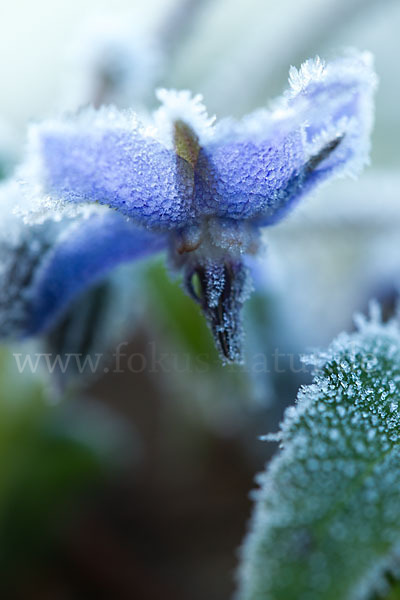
{"points": [[49, 454]]}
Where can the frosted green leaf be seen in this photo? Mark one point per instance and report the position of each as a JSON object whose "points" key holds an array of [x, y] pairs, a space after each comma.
{"points": [[327, 517]]}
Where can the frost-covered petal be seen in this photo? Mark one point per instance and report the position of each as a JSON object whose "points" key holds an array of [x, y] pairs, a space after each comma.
{"points": [[44, 266], [242, 177], [258, 168], [107, 157], [83, 255]]}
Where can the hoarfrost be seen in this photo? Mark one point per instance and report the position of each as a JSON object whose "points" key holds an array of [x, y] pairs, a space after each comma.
{"points": [[326, 521]]}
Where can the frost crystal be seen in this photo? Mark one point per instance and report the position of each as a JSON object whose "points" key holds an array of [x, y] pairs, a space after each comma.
{"points": [[311, 70], [182, 106], [326, 523]]}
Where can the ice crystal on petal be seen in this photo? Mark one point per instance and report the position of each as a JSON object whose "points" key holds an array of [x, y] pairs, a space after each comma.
{"points": [[182, 106], [311, 70], [326, 522]]}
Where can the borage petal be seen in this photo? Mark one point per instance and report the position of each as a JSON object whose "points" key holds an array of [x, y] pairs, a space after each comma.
{"points": [[107, 157], [85, 254], [258, 168]]}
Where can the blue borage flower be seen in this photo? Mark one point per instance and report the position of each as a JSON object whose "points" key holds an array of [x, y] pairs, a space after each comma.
{"points": [[201, 189]]}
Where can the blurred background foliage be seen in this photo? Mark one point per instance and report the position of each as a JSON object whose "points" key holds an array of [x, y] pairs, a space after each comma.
{"points": [[51, 455], [135, 483]]}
